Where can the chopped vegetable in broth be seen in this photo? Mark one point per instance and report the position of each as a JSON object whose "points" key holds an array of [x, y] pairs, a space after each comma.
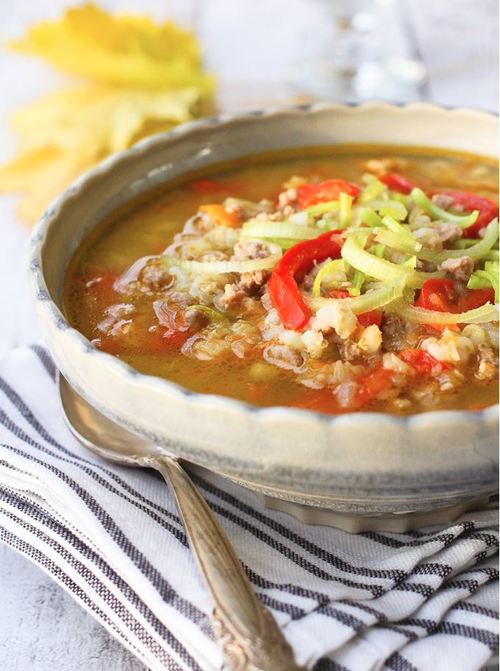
{"points": [[348, 279]]}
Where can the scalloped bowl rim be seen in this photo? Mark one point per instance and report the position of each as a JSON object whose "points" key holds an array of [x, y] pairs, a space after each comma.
{"points": [[289, 413]]}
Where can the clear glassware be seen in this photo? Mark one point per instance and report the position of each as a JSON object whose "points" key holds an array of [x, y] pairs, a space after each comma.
{"points": [[360, 61]]}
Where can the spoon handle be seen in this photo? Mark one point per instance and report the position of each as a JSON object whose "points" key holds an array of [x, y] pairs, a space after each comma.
{"points": [[246, 630]]}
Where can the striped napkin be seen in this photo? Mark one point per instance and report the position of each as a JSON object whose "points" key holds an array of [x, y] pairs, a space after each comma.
{"points": [[112, 538]]}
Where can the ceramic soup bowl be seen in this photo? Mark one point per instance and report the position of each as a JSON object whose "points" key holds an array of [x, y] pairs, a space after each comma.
{"points": [[361, 463]]}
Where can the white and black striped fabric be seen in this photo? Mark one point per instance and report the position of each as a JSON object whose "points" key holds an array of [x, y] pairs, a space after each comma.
{"points": [[112, 538]]}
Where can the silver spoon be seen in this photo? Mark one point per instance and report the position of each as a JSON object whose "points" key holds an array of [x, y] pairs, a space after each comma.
{"points": [[250, 638]]}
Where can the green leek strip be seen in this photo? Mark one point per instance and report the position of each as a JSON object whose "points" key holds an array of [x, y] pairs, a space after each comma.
{"points": [[361, 233], [357, 281], [476, 281], [400, 197], [373, 190], [392, 208], [345, 211], [371, 300], [476, 252], [464, 243], [430, 208], [378, 250], [489, 276], [284, 243], [411, 262], [394, 225], [276, 229], [322, 208], [212, 314], [369, 217], [381, 269], [336, 267], [402, 243], [221, 267], [481, 315], [327, 223]]}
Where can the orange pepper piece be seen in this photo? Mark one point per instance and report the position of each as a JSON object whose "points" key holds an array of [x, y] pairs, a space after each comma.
{"points": [[220, 216]]}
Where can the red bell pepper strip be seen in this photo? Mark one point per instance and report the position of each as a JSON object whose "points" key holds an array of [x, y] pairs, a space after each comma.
{"points": [[474, 298], [422, 362], [488, 210], [311, 194], [396, 182], [283, 290], [370, 318], [438, 295], [441, 295]]}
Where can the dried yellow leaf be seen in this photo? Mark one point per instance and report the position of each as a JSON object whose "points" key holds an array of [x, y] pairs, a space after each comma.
{"points": [[144, 78], [69, 131], [121, 50], [99, 119]]}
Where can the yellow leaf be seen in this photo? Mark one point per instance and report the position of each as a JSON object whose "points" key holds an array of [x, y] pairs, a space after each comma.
{"points": [[88, 124], [41, 175], [119, 50], [144, 77], [98, 119]]}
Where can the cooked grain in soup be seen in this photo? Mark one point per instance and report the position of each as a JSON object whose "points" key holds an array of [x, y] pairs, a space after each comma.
{"points": [[361, 278]]}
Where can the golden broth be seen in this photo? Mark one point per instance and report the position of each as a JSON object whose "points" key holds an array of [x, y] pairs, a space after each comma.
{"points": [[147, 228]]}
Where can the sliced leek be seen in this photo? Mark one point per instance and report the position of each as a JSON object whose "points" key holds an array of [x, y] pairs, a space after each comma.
{"points": [[464, 243], [276, 229], [212, 314], [372, 190], [481, 315], [322, 208], [369, 217], [345, 210], [482, 279], [330, 271], [381, 269], [476, 251], [394, 226], [436, 212], [371, 300], [392, 208], [402, 243]]}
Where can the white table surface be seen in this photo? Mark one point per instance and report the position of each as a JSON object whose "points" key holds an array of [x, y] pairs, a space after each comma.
{"points": [[251, 45]]}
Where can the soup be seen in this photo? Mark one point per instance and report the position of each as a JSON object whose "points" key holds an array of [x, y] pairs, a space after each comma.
{"points": [[356, 278]]}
